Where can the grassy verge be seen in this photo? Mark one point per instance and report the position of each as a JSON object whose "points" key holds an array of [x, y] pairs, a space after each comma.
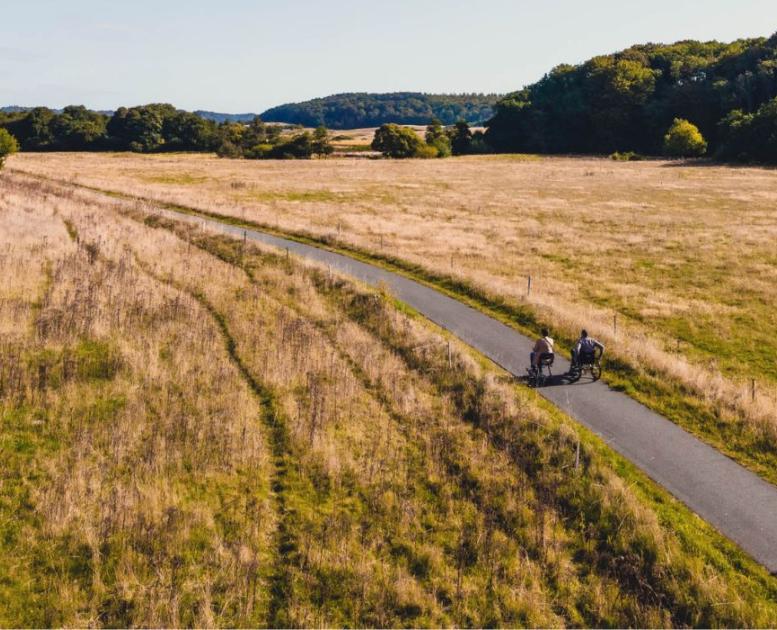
{"points": [[750, 447]]}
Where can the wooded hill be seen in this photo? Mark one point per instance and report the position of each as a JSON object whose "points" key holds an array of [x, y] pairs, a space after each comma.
{"points": [[356, 110], [626, 101]]}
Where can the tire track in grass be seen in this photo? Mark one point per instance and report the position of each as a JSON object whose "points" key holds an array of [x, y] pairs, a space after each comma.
{"points": [[275, 423], [280, 446]]}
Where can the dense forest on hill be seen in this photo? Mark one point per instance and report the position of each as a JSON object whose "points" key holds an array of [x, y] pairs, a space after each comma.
{"points": [[626, 101], [221, 117], [356, 110]]}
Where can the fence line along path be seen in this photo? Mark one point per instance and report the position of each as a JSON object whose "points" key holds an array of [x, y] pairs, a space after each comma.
{"points": [[736, 501]]}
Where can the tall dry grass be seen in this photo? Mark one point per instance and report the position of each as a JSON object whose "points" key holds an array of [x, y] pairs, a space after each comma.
{"points": [[136, 465], [683, 255]]}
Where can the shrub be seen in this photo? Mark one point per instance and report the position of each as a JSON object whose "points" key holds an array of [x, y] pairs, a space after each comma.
{"points": [[259, 151], [228, 149], [626, 156], [8, 146], [427, 151], [684, 140]]}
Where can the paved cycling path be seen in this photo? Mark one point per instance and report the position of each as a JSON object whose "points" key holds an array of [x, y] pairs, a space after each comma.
{"points": [[737, 502]]}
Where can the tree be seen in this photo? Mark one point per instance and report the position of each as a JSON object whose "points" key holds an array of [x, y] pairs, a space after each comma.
{"points": [[138, 128], [461, 138], [434, 131], [437, 138], [750, 137], [188, 132], [152, 127], [615, 91], [8, 146], [255, 133], [229, 139], [321, 145], [78, 128], [397, 142], [35, 130], [357, 110], [479, 143], [684, 140]]}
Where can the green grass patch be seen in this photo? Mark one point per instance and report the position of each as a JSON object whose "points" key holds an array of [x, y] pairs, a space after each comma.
{"points": [[87, 360], [175, 179], [298, 196]]}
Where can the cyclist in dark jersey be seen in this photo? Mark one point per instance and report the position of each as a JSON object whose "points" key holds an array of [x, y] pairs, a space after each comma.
{"points": [[585, 346]]}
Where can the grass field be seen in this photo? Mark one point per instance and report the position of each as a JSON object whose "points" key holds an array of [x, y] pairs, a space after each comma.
{"points": [[199, 432], [672, 266]]}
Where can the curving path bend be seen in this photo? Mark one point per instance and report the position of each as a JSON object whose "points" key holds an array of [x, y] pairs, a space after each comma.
{"points": [[736, 501]]}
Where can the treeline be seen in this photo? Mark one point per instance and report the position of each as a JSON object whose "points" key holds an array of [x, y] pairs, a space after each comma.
{"points": [[356, 110], [396, 141], [155, 128], [261, 141], [628, 100]]}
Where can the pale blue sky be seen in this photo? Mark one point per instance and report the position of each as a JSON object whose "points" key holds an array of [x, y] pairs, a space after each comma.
{"points": [[241, 56]]}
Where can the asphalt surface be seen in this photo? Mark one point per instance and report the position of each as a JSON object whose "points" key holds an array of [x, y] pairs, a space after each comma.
{"points": [[737, 502]]}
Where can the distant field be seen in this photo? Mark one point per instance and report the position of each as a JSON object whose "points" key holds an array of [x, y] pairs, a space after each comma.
{"points": [[683, 255], [200, 432], [355, 140]]}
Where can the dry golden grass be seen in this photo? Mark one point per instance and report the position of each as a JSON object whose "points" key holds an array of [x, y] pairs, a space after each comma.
{"points": [[327, 468], [684, 255], [130, 441]]}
